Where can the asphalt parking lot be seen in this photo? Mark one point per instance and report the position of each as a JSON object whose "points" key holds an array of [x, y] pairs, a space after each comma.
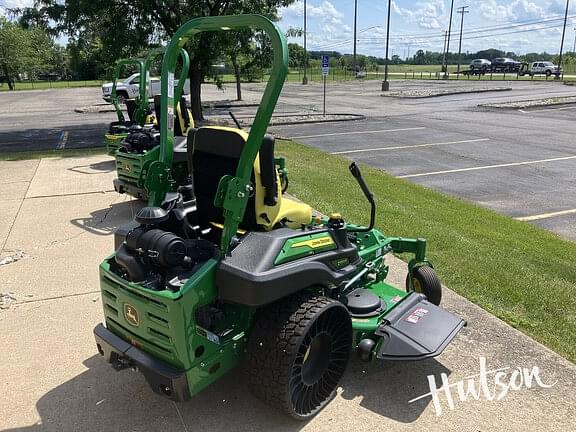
{"points": [[521, 163]]}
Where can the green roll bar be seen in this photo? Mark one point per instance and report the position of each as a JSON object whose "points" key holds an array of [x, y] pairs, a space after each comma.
{"points": [[140, 115], [157, 52], [233, 191]]}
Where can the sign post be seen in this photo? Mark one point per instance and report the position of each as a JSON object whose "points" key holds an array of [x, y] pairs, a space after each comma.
{"points": [[325, 71]]}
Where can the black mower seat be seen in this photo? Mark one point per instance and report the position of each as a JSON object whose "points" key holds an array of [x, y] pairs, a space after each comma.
{"points": [[182, 119], [214, 152], [131, 108], [181, 147]]}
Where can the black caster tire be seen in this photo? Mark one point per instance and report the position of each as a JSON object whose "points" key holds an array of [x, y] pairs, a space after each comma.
{"points": [[298, 350], [425, 281], [284, 184]]}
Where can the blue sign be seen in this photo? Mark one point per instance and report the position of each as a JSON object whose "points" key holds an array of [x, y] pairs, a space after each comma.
{"points": [[325, 65]]}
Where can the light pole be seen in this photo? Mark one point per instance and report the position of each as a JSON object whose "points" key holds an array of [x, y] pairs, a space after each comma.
{"points": [[445, 65], [305, 78], [562, 41], [461, 10], [385, 83], [355, 19], [574, 46], [444, 50]]}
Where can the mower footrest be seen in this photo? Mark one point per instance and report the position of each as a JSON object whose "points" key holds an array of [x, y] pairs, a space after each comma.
{"points": [[163, 378], [416, 329]]}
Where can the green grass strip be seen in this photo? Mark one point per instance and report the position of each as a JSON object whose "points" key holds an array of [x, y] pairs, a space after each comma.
{"points": [[520, 273]]}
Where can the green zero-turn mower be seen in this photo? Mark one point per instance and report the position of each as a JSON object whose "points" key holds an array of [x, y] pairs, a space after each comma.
{"points": [[138, 108], [140, 149], [226, 270]]}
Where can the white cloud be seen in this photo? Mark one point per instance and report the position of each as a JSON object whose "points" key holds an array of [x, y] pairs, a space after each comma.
{"points": [[428, 14], [518, 10], [325, 22], [14, 4]]}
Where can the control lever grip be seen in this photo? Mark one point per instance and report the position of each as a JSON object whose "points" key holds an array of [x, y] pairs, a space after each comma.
{"points": [[355, 170]]}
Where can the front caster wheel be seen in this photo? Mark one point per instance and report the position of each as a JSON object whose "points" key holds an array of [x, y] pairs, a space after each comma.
{"points": [[425, 281], [298, 351]]}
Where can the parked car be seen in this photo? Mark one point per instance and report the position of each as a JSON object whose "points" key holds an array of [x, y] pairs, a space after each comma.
{"points": [[481, 65], [128, 89], [504, 64], [541, 68]]}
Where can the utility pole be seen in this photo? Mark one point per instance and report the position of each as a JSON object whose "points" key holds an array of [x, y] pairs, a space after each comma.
{"points": [[574, 46], [563, 33], [355, 19], [385, 83], [445, 65], [305, 78], [444, 50], [461, 10]]}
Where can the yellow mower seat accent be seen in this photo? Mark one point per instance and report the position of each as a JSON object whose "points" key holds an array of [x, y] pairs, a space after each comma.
{"points": [[214, 151]]}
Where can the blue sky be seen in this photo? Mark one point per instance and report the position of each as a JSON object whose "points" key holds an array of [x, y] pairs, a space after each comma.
{"points": [[419, 25]]}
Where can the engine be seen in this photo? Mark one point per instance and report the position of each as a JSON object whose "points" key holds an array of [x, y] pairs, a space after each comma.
{"points": [[140, 139], [161, 248]]}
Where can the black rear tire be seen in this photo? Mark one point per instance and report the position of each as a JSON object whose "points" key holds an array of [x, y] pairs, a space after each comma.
{"points": [[298, 350], [425, 281]]}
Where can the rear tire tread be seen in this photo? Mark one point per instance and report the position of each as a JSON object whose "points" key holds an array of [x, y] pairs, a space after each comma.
{"points": [[274, 343]]}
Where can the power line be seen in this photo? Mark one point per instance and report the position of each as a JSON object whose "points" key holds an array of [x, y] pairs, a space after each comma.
{"points": [[428, 36]]}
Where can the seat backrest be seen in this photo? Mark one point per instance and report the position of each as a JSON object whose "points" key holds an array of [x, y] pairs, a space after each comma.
{"points": [[214, 152], [131, 108], [182, 120]]}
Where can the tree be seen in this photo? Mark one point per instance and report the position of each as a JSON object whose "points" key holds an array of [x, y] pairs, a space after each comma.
{"points": [[23, 51], [122, 26], [296, 55]]}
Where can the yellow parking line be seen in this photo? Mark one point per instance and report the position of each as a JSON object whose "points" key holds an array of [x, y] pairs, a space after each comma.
{"points": [[546, 215]]}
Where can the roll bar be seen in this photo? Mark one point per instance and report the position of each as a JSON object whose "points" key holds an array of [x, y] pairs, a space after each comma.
{"points": [[233, 192]]}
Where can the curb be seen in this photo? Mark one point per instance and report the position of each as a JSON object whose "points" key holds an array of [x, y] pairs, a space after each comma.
{"points": [[447, 93], [521, 107]]}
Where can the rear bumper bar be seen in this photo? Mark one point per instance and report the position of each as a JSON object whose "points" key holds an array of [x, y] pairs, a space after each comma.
{"points": [[163, 378], [122, 186]]}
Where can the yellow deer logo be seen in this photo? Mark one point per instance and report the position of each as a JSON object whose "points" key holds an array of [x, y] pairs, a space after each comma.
{"points": [[131, 314]]}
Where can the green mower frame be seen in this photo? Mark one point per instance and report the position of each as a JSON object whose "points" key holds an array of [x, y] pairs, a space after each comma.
{"points": [[201, 282], [113, 137], [132, 167]]}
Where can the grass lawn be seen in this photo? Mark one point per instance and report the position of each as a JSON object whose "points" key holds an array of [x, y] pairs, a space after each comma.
{"points": [[518, 272], [51, 84]]}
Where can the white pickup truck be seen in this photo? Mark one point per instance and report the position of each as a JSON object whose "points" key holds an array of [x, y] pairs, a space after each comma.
{"points": [[129, 88], [540, 68]]}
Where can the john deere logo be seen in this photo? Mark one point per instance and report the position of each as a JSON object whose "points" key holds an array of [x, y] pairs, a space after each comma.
{"points": [[131, 314], [127, 168]]}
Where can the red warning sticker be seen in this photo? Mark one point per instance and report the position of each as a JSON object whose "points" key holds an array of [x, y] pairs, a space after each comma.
{"points": [[416, 315]]}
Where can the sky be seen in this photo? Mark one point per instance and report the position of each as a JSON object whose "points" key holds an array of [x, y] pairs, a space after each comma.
{"points": [[510, 25], [515, 25]]}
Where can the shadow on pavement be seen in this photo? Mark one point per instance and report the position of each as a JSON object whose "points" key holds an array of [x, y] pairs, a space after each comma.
{"points": [[104, 221], [101, 399], [387, 386], [95, 168], [52, 138]]}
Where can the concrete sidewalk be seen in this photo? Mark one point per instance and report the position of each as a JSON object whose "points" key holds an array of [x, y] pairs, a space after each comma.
{"points": [[57, 217]]}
